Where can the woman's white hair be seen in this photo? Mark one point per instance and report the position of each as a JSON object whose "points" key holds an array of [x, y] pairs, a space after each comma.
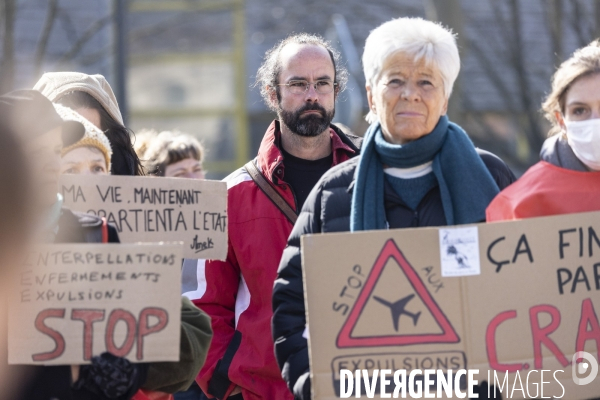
{"points": [[414, 36]]}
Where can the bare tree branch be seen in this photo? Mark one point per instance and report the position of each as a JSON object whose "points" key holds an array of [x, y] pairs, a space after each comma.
{"points": [[577, 18], [519, 99], [140, 33], [500, 146], [502, 21], [492, 73], [533, 134], [7, 64], [554, 17], [134, 35], [85, 37], [492, 140], [95, 57], [161, 26], [40, 51], [67, 25], [1, 16], [597, 19]]}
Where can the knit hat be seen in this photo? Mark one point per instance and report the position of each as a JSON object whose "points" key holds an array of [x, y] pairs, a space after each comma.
{"points": [[93, 136], [55, 85], [28, 114]]}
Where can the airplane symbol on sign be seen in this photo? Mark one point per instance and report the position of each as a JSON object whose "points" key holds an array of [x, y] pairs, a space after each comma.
{"points": [[347, 339], [397, 309]]}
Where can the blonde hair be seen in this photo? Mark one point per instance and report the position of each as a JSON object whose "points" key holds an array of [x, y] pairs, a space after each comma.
{"points": [[583, 62], [414, 36], [159, 150]]}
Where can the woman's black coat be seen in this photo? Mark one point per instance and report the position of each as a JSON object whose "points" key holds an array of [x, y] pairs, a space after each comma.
{"points": [[327, 209]]}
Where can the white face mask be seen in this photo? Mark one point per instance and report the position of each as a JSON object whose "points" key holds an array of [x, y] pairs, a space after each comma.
{"points": [[584, 139]]}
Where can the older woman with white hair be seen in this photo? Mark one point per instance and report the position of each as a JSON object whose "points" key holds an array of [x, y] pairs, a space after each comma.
{"points": [[416, 169]]}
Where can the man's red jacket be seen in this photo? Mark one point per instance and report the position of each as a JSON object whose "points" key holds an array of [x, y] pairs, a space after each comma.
{"points": [[544, 190], [236, 293]]}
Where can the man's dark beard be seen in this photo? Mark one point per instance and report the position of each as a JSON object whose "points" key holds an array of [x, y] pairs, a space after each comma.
{"points": [[310, 125]]}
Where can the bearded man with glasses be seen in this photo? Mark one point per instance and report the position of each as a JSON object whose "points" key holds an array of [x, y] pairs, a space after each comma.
{"points": [[299, 79]]}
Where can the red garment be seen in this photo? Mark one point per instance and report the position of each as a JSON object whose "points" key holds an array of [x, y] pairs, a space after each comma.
{"points": [[151, 395], [544, 190], [237, 292]]}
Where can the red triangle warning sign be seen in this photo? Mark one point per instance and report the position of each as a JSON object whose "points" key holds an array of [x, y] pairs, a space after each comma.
{"points": [[444, 332]]}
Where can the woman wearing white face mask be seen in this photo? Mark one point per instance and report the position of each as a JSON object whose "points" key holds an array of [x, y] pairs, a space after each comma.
{"points": [[567, 180]]}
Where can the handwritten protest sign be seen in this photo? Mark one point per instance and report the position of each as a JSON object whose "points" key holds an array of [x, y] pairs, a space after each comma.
{"points": [[147, 209], [76, 301], [520, 309]]}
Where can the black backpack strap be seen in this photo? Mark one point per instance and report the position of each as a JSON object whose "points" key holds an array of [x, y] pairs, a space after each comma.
{"points": [[270, 192]]}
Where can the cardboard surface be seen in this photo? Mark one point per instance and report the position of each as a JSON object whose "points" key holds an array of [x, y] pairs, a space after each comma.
{"points": [[378, 300], [150, 209], [75, 301]]}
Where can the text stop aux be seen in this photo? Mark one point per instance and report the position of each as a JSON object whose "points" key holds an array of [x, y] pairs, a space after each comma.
{"points": [[582, 242], [136, 330]]}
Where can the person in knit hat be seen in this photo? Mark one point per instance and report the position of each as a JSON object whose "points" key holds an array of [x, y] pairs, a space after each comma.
{"points": [[89, 155], [92, 97], [47, 130]]}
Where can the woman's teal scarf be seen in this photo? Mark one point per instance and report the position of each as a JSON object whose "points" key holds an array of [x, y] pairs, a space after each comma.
{"points": [[466, 185]]}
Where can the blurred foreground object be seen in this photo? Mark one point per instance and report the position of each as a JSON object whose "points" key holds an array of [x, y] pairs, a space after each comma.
{"points": [[16, 223]]}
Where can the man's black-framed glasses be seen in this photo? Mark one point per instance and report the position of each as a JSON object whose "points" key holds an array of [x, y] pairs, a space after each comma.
{"points": [[323, 86]]}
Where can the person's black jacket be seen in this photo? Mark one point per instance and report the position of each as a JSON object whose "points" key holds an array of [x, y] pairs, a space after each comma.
{"points": [[327, 209]]}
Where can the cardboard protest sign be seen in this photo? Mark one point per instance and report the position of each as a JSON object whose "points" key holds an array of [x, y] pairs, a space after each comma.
{"points": [[149, 209], [510, 299], [75, 301]]}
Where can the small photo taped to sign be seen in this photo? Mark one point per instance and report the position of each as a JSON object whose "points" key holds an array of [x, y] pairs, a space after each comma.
{"points": [[459, 251]]}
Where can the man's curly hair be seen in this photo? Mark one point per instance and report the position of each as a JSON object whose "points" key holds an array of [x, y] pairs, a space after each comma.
{"points": [[267, 75]]}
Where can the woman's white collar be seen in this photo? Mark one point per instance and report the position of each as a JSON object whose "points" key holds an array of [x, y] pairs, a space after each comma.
{"points": [[410, 173]]}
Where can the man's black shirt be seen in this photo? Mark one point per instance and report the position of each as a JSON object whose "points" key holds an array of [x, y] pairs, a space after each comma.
{"points": [[303, 175]]}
